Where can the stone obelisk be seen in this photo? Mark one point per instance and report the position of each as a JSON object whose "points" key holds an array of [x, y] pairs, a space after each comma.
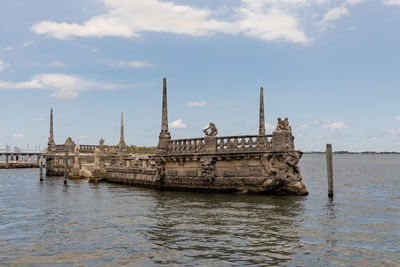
{"points": [[261, 129], [164, 134], [122, 137], [51, 144]]}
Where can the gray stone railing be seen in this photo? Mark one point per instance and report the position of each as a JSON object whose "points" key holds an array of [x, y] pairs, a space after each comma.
{"points": [[219, 144], [242, 142], [60, 148], [88, 148], [182, 145]]}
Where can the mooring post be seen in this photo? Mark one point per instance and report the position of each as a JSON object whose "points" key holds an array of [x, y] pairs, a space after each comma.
{"points": [[329, 169], [66, 165], [6, 161], [41, 167]]}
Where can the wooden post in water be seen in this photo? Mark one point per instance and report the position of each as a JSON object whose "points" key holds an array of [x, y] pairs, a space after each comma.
{"points": [[41, 168], [329, 169], [7, 161], [66, 165]]}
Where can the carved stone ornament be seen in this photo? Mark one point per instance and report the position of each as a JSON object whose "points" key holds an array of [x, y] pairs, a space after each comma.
{"points": [[160, 164], [101, 142], [69, 141], [208, 169], [211, 130], [77, 150], [283, 125]]}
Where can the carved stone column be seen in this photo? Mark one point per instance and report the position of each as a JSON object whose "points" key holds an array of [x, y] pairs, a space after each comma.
{"points": [[76, 161]]}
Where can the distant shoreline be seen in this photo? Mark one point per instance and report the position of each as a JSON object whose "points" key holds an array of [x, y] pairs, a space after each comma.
{"points": [[348, 152]]}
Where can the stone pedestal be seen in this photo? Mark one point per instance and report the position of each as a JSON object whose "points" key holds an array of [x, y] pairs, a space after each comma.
{"points": [[210, 144], [282, 141]]}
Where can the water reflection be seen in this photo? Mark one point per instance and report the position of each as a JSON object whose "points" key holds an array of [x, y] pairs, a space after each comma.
{"points": [[240, 229]]}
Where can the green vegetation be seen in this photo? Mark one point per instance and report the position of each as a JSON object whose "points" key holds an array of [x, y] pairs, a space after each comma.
{"points": [[141, 150]]}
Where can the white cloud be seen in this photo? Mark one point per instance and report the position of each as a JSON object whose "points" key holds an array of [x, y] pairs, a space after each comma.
{"points": [[269, 126], [354, 2], [128, 64], [57, 64], [335, 125], [3, 65], [332, 15], [18, 135], [391, 2], [26, 44], [393, 132], [397, 117], [196, 104], [263, 20], [304, 125], [227, 103], [272, 25], [179, 124], [61, 86]]}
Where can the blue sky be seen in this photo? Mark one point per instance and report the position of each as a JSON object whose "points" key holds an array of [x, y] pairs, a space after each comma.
{"points": [[331, 67]]}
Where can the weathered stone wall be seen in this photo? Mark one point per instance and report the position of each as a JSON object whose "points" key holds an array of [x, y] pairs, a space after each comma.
{"points": [[271, 172]]}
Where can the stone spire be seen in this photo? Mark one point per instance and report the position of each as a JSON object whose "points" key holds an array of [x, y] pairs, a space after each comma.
{"points": [[164, 122], [164, 134], [121, 138], [261, 130], [51, 137]]}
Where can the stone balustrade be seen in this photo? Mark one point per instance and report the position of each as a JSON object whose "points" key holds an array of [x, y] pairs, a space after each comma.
{"points": [[222, 144], [185, 145], [88, 148], [237, 142], [59, 148]]}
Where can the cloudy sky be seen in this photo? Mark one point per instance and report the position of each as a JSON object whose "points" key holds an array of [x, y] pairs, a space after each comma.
{"points": [[331, 67]]}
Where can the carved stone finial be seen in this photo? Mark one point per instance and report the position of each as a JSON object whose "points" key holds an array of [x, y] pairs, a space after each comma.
{"points": [[211, 130], [283, 125], [261, 129]]}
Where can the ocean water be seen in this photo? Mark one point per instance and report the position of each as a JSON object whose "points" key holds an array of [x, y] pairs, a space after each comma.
{"points": [[85, 224]]}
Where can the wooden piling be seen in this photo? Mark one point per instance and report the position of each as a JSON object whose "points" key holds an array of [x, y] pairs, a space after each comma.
{"points": [[329, 169], [41, 168], [66, 166], [6, 161]]}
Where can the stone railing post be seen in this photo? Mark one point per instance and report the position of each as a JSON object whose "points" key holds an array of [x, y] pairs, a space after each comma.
{"points": [[210, 144], [282, 141]]}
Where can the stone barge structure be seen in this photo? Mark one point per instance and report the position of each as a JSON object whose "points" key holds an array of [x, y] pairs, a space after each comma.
{"points": [[263, 163]]}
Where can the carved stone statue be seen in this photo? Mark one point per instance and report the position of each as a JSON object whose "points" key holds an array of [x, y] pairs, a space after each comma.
{"points": [[101, 142], [211, 130], [76, 157], [208, 169], [69, 141], [97, 155], [283, 125], [77, 150]]}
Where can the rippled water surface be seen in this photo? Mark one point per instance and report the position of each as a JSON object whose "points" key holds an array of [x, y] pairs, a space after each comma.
{"points": [[87, 224]]}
